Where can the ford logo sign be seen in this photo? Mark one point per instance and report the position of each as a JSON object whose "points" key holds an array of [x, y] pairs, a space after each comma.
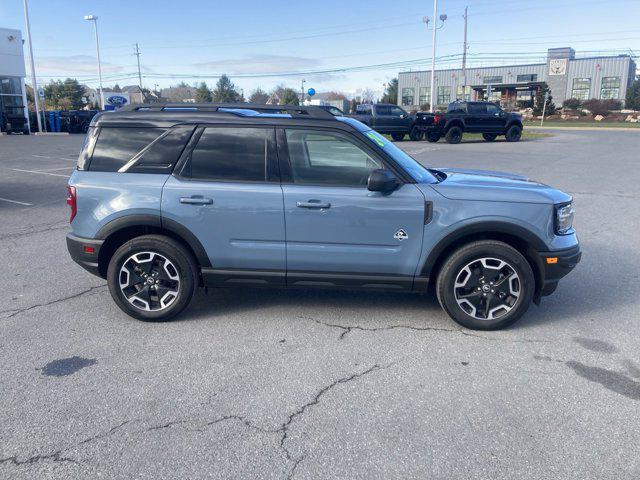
{"points": [[116, 100]]}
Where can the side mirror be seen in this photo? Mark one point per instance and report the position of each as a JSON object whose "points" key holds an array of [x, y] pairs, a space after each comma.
{"points": [[382, 180]]}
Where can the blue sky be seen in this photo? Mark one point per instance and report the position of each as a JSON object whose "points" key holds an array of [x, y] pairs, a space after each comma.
{"points": [[199, 39]]}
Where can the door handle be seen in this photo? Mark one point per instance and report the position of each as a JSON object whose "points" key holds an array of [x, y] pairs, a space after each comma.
{"points": [[313, 204], [196, 200]]}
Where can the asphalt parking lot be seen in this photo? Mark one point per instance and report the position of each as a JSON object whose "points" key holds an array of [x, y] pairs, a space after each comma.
{"points": [[322, 384]]}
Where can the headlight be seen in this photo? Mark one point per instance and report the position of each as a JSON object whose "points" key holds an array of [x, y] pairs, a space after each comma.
{"points": [[564, 218]]}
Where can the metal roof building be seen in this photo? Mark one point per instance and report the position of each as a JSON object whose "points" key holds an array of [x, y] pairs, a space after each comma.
{"points": [[605, 77]]}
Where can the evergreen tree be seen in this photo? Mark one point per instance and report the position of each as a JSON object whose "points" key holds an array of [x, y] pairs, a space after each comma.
{"points": [[64, 95], [289, 97], [538, 101], [225, 91], [391, 92], [259, 96], [203, 94], [633, 96]]}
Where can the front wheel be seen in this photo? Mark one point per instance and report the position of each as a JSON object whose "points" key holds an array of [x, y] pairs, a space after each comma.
{"points": [[453, 135], [489, 137], [513, 134], [416, 135], [433, 137], [485, 285], [152, 277], [397, 137]]}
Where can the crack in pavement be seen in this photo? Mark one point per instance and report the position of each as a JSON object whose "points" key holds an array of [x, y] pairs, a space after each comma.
{"points": [[348, 329], [57, 455], [17, 311], [24, 233]]}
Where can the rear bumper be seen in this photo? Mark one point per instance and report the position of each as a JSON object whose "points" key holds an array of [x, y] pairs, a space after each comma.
{"points": [[429, 128], [85, 252], [556, 265]]}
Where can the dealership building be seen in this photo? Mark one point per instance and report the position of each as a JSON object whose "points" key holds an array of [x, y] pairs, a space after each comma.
{"points": [[13, 97], [605, 77]]}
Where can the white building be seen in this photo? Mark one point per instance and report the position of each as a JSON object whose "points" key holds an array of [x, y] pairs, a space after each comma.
{"points": [[13, 96], [567, 76]]}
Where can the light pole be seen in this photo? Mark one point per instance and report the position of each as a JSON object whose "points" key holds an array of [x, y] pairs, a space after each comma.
{"points": [[94, 19], [33, 68], [433, 54], [302, 92]]}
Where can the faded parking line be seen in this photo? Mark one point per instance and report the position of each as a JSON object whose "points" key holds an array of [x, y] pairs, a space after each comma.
{"points": [[41, 173], [16, 201]]}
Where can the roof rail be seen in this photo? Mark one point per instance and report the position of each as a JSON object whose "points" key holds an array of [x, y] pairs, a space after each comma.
{"points": [[296, 111]]}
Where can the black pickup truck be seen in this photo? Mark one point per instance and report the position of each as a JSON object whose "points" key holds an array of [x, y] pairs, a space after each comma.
{"points": [[387, 118], [472, 117]]}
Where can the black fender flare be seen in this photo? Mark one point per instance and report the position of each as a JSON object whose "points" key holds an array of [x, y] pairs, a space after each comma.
{"points": [[484, 227], [156, 221]]}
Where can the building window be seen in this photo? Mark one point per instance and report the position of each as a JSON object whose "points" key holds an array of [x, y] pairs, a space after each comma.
{"points": [[581, 88], [492, 79], [610, 88], [407, 96], [425, 95], [531, 77], [495, 96], [10, 86], [444, 95], [463, 93]]}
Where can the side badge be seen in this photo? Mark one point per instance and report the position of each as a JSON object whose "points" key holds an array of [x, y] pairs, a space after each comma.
{"points": [[401, 235]]}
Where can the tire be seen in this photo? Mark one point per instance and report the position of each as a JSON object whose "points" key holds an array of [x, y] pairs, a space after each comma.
{"points": [[513, 134], [489, 137], [453, 135], [397, 137], [416, 135], [474, 271], [176, 277], [433, 137]]}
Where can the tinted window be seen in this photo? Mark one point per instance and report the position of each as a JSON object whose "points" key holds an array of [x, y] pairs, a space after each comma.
{"points": [[383, 110], [228, 154], [397, 111], [116, 146], [328, 158], [492, 109], [476, 108], [162, 154], [363, 108]]}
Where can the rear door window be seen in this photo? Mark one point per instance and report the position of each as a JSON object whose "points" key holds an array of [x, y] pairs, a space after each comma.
{"points": [[229, 154], [477, 108], [117, 146]]}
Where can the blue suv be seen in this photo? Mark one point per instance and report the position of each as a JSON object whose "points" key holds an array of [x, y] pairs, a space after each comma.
{"points": [[167, 198]]}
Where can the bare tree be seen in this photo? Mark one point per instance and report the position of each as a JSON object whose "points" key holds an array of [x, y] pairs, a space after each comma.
{"points": [[368, 96]]}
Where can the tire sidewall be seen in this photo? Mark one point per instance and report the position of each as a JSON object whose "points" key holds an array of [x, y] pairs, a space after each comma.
{"points": [[454, 135], [433, 137], [513, 134], [175, 253], [467, 254], [489, 137]]}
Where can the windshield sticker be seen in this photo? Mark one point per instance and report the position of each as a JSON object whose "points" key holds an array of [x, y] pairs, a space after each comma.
{"points": [[376, 138]]}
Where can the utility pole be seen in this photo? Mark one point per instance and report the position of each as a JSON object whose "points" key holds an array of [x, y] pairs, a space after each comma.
{"points": [[33, 68], [433, 58], [302, 92], [137, 54], [464, 58]]}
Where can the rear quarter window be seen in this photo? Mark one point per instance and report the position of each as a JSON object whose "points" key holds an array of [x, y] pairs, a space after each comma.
{"points": [[115, 146]]}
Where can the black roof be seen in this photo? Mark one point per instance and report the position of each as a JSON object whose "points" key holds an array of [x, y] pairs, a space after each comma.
{"points": [[168, 114]]}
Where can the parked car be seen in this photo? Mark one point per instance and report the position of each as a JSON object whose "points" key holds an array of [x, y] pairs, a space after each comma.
{"points": [[387, 118], [12, 120], [169, 198], [473, 117], [76, 121], [332, 110]]}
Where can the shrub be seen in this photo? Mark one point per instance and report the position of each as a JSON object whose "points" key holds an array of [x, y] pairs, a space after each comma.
{"points": [[601, 107], [571, 103]]}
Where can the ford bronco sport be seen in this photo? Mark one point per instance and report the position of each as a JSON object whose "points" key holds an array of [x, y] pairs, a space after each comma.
{"points": [[169, 198]]}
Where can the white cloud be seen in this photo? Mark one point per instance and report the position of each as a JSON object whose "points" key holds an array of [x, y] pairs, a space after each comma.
{"points": [[260, 64], [73, 64]]}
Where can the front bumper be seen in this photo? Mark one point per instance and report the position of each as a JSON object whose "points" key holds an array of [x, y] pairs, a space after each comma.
{"points": [[85, 252], [556, 265]]}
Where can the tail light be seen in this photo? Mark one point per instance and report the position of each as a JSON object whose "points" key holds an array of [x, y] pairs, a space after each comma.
{"points": [[71, 201], [436, 119]]}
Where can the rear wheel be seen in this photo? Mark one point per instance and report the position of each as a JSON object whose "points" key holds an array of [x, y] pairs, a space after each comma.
{"points": [[152, 277], [489, 137], [433, 137], [416, 135], [398, 137], [485, 285], [453, 135], [513, 134]]}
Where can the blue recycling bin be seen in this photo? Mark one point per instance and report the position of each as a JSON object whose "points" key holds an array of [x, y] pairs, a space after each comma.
{"points": [[54, 121]]}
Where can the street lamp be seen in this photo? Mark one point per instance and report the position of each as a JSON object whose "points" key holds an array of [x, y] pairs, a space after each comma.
{"points": [[443, 17], [94, 19], [33, 69]]}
